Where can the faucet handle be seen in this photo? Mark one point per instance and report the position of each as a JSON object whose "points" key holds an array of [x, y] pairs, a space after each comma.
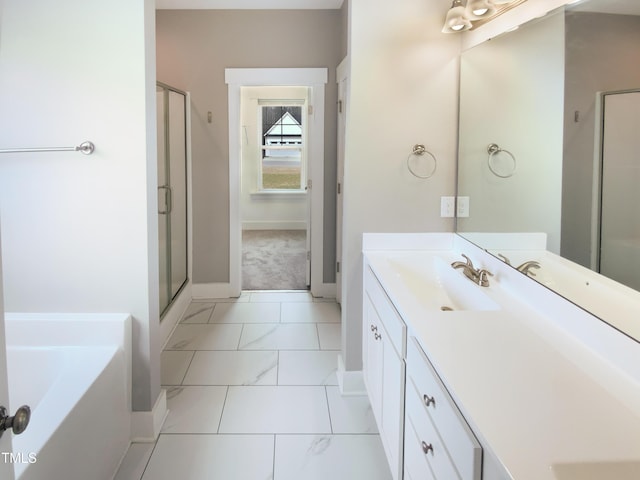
{"points": [[483, 277], [527, 266], [504, 259], [469, 262]]}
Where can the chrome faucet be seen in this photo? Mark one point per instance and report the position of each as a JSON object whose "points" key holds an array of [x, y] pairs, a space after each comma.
{"points": [[527, 266], [477, 276]]}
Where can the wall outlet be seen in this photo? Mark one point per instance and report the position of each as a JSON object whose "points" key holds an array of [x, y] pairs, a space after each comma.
{"points": [[462, 207], [447, 206]]}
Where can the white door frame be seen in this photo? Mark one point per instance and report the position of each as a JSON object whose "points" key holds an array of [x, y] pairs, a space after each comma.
{"points": [[342, 75], [315, 79]]}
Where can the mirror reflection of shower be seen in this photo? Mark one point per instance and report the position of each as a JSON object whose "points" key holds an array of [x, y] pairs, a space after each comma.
{"points": [[619, 222]]}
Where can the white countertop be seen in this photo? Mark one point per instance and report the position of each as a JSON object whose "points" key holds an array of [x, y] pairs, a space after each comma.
{"points": [[541, 401]]}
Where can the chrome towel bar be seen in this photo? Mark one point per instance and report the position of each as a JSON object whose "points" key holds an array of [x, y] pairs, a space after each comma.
{"points": [[85, 147]]}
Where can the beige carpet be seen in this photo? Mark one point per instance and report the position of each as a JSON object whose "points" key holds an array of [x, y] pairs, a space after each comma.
{"points": [[274, 260]]}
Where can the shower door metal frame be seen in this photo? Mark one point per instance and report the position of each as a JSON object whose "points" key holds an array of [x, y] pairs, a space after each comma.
{"points": [[168, 196]]}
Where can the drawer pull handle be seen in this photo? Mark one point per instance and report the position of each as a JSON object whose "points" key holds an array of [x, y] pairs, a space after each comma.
{"points": [[378, 336], [429, 400], [374, 328], [426, 448]]}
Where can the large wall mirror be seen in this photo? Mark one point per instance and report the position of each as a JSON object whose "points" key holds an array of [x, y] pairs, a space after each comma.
{"points": [[549, 153]]}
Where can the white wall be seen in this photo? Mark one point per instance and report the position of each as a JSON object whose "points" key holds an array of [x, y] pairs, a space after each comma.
{"points": [[266, 211], [79, 233], [403, 91]]}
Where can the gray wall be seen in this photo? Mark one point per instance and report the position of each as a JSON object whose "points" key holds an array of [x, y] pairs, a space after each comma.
{"points": [[601, 55], [193, 49]]}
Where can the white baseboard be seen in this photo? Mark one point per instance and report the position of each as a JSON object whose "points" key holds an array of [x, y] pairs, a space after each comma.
{"points": [[326, 290], [351, 383], [223, 290], [145, 426], [211, 290], [274, 225]]}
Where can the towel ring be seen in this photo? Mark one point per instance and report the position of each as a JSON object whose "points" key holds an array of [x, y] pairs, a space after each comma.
{"points": [[494, 149], [417, 152]]}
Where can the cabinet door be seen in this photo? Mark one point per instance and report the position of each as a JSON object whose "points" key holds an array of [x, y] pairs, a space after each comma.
{"points": [[392, 425], [372, 358]]}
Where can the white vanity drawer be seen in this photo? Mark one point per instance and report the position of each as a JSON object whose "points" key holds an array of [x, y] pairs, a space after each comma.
{"points": [[424, 385], [425, 454], [393, 324]]}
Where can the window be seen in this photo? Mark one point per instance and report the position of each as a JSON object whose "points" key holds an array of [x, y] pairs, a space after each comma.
{"points": [[282, 163]]}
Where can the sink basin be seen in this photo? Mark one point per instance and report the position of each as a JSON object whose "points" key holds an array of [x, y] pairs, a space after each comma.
{"points": [[623, 470], [437, 285]]}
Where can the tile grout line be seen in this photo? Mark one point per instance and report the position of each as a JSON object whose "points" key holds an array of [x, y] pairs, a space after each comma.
{"points": [[326, 396], [318, 336], [224, 404], [215, 305], [239, 338], [188, 367]]}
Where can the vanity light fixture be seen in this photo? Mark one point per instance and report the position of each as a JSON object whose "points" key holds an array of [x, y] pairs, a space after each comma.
{"points": [[461, 14], [477, 9], [456, 20]]}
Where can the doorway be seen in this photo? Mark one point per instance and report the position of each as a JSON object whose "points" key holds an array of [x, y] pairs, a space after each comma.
{"points": [[274, 199], [314, 80]]}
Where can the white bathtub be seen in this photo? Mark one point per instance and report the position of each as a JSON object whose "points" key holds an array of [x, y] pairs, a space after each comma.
{"points": [[78, 390]]}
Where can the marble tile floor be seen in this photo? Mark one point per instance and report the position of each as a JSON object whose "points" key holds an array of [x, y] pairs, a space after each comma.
{"points": [[252, 395]]}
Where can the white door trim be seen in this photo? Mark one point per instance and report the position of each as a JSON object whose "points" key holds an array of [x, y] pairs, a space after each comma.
{"points": [[6, 468], [315, 79], [342, 76]]}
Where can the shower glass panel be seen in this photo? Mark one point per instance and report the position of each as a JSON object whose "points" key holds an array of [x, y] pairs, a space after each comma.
{"points": [[172, 193], [620, 196], [178, 183]]}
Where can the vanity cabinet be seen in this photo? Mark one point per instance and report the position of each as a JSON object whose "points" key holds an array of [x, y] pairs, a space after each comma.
{"points": [[384, 345], [437, 438], [422, 431]]}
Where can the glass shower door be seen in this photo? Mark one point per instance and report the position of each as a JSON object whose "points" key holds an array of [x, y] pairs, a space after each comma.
{"points": [[178, 190], [172, 193]]}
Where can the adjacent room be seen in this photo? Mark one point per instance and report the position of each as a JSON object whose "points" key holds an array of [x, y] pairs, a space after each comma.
{"points": [[274, 202]]}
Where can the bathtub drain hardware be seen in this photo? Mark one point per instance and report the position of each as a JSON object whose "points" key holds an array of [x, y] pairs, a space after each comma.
{"points": [[18, 423]]}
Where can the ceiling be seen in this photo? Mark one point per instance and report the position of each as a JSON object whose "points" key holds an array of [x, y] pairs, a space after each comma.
{"points": [[249, 4], [620, 7]]}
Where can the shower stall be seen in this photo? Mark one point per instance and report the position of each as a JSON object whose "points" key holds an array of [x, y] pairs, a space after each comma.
{"points": [[172, 192]]}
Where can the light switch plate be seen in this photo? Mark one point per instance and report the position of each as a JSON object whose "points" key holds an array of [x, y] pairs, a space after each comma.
{"points": [[462, 209], [447, 206]]}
